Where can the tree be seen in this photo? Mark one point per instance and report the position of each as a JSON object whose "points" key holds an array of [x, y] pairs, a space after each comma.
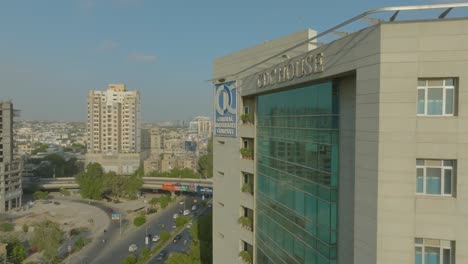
{"points": [[15, 249], [91, 182], [47, 238], [19, 253], [139, 220], [154, 201], [7, 227], [181, 220], [164, 200], [205, 233], [40, 195], [120, 185], [205, 162], [115, 184], [40, 148], [129, 260], [164, 235], [180, 258]]}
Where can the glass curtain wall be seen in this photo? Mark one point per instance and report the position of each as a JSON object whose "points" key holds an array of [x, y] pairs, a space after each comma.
{"points": [[297, 176]]}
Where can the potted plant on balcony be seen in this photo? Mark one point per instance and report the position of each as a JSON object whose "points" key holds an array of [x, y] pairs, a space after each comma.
{"points": [[246, 256], [246, 119], [247, 153], [245, 222], [247, 187]]}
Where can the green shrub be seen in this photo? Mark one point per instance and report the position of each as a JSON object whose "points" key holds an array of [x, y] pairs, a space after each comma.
{"points": [[7, 227], [164, 236], [247, 153], [64, 192], [25, 228], [40, 195], [246, 256], [181, 221], [139, 221], [80, 243]]}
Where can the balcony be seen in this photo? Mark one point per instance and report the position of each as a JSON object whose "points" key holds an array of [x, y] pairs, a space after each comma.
{"points": [[246, 256], [246, 222], [247, 127], [247, 153]]}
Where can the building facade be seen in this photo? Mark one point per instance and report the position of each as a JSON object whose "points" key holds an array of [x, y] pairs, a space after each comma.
{"points": [[114, 128], [10, 167], [355, 152], [201, 126]]}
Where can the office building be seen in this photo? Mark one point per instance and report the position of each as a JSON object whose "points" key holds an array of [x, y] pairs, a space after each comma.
{"points": [[10, 167], [354, 151], [114, 129]]}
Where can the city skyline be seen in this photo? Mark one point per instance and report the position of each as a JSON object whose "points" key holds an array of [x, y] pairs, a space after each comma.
{"points": [[67, 48]]}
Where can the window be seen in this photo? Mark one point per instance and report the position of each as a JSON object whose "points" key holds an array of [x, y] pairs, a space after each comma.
{"points": [[436, 97], [246, 110], [433, 251], [435, 177]]}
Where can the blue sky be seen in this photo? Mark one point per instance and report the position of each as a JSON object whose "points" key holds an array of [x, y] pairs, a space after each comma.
{"points": [[53, 51]]}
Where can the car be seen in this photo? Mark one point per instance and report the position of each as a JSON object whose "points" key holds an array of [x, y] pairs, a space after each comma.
{"points": [[194, 208], [177, 238], [186, 212], [155, 238], [56, 203], [46, 202], [181, 202], [175, 216], [132, 248], [162, 255]]}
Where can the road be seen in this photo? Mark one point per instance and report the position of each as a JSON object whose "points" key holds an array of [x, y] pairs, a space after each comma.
{"points": [[183, 245], [115, 249]]}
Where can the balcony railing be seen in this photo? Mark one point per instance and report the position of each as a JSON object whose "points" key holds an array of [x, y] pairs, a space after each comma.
{"points": [[246, 222], [246, 153]]}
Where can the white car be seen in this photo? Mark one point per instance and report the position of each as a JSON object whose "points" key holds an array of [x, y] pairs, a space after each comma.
{"points": [[132, 248], [181, 202], [194, 208], [156, 238], [186, 212], [175, 216]]}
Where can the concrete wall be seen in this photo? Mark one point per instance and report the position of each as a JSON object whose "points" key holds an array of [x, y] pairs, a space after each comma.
{"points": [[410, 51], [227, 165], [386, 214], [347, 93]]}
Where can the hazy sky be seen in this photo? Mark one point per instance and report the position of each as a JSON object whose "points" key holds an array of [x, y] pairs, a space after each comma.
{"points": [[53, 51]]}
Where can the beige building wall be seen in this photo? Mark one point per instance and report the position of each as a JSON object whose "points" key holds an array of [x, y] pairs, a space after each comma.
{"points": [[114, 128], [380, 214], [228, 166], [410, 51], [114, 121]]}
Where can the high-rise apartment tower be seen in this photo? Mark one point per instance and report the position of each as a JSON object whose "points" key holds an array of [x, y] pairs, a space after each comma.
{"points": [[114, 127]]}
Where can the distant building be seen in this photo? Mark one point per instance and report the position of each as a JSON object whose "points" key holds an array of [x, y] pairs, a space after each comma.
{"points": [[114, 129], [201, 126], [145, 139], [153, 162], [10, 168]]}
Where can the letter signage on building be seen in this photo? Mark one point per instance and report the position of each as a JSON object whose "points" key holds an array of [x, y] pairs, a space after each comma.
{"points": [[225, 109], [295, 68]]}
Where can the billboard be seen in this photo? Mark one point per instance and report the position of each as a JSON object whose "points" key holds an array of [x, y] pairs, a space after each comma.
{"points": [[225, 124]]}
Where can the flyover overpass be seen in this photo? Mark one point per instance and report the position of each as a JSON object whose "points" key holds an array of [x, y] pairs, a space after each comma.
{"points": [[148, 183]]}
